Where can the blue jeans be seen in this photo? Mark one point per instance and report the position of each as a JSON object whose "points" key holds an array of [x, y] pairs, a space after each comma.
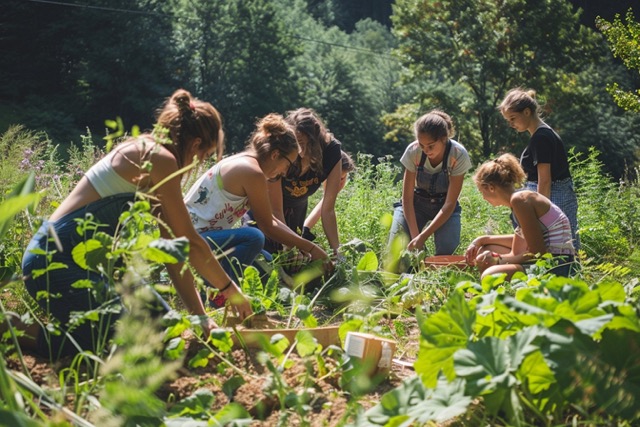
{"points": [[447, 237], [236, 248], [63, 299]]}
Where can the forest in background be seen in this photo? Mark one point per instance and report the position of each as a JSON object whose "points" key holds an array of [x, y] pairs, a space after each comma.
{"points": [[370, 68]]}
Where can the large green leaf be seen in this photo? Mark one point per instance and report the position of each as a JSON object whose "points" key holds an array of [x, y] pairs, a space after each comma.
{"points": [[489, 367], [81, 252], [447, 401], [441, 335], [12, 206], [306, 344], [167, 251], [221, 339], [592, 326], [411, 403], [611, 291], [368, 262], [535, 372], [194, 406]]}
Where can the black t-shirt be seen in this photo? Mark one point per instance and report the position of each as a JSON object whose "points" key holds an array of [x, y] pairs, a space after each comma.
{"points": [[545, 146], [297, 188]]}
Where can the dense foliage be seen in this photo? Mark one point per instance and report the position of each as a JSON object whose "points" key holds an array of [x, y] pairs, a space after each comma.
{"points": [[625, 44], [366, 70], [539, 350]]}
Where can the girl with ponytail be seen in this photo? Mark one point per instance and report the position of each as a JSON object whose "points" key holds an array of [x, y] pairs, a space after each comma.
{"points": [[150, 165]]}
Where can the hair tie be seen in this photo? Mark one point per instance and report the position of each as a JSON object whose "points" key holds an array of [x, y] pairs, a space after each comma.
{"points": [[192, 106]]}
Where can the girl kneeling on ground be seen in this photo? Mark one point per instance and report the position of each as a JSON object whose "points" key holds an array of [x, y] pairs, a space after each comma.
{"points": [[541, 226], [220, 197], [108, 188]]}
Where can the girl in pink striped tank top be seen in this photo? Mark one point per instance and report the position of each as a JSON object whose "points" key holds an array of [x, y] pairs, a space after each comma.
{"points": [[541, 226]]}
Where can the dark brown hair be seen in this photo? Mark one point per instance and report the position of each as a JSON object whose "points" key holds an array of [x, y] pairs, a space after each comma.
{"points": [[347, 162], [435, 123], [307, 122]]}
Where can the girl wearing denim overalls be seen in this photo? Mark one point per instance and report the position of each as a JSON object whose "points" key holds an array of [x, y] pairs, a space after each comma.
{"points": [[434, 172]]}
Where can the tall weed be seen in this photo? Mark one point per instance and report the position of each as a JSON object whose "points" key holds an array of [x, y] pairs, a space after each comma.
{"points": [[606, 210]]}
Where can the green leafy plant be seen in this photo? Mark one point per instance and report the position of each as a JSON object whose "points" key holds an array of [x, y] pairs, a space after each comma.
{"points": [[530, 350]]}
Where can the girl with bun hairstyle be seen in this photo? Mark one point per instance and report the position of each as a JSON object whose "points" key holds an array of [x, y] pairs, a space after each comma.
{"points": [[541, 226], [225, 192], [544, 160], [137, 165]]}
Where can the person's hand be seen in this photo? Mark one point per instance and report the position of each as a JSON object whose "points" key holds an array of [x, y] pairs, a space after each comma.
{"points": [[417, 243], [471, 253], [317, 252], [486, 259], [207, 326], [338, 257], [238, 301]]}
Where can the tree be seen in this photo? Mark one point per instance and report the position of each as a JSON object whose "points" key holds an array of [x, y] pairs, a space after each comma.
{"points": [[71, 66], [624, 40], [349, 79], [488, 47], [235, 54]]}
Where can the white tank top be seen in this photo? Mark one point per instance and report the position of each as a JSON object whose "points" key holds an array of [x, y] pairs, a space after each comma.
{"points": [[106, 180], [210, 206]]}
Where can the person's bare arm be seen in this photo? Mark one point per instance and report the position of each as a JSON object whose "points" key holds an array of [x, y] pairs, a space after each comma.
{"points": [[276, 200], [524, 209], [501, 243], [175, 215], [544, 179], [329, 220], [314, 215], [312, 219], [255, 187]]}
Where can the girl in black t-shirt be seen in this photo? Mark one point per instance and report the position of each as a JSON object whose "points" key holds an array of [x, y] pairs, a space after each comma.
{"points": [[544, 160], [319, 161]]}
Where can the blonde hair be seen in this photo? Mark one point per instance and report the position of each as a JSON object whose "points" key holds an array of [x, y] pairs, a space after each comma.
{"points": [[505, 171]]}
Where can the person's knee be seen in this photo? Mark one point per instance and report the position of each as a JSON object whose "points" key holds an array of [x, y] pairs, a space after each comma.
{"points": [[255, 239]]}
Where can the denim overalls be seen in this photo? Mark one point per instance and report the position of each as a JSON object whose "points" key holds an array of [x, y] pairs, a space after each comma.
{"points": [[429, 195]]}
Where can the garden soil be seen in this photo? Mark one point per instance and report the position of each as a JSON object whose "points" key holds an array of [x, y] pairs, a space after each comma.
{"points": [[328, 402]]}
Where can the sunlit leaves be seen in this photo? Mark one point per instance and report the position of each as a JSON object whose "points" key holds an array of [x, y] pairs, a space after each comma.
{"points": [[623, 40], [442, 334], [168, 251]]}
